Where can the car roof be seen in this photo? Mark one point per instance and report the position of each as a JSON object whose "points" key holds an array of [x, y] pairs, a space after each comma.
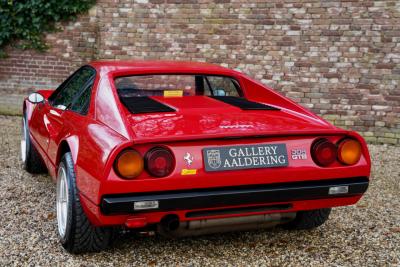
{"points": [[159, 66]]}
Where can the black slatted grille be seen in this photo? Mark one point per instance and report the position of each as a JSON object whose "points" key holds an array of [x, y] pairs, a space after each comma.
{"points": [[243, 103], [144, 104]]}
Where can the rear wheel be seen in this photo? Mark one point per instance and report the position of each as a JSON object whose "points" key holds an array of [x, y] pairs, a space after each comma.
{"points": [[309, 219], [30, 157], [75, 231]]}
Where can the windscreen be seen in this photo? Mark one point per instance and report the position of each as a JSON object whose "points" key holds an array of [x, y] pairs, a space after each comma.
{"points": [[176, 85]]}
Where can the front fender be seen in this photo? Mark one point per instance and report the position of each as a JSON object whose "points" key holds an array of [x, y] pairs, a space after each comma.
{"points": [[29, 107]]}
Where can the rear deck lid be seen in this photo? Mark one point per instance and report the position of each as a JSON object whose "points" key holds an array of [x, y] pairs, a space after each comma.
{"points": [[202, 117]]}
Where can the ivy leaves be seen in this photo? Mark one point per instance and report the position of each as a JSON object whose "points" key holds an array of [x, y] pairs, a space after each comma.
{"points": [[23, 23]]}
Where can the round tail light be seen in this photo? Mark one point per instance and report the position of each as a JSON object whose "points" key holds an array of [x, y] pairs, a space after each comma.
{"points": [[324, 152], [129, 164], [349, 152], [159, 162]]}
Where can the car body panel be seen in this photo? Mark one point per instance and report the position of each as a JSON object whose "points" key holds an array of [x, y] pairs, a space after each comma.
{"points": [[203, 117], [298, 170], [199, 122]]}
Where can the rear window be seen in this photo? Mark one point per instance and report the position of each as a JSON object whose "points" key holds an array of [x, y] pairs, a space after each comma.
{"points": [[177, 84]]}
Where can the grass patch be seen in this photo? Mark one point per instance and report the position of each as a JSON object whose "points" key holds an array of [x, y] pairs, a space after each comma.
{"points": [[9, 111]]}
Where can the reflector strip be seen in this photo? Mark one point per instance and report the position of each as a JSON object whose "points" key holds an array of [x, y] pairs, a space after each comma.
{"points": [[145, 205], [334, 190]]}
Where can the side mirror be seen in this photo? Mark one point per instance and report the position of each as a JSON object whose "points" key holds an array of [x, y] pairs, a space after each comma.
{"points": [[35, 98]]}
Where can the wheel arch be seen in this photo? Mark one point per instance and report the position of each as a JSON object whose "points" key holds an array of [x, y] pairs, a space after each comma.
{"points": [[69, 144]]}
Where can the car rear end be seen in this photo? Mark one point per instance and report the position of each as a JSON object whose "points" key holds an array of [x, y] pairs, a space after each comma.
{"points": [[206, 180], [202, 163]]}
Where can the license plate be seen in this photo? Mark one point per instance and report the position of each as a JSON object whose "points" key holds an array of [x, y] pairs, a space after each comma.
{"points": [[245, 157]]}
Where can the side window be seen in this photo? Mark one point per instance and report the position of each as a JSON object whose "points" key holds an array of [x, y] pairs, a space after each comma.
{"points": [[81, 103], [222, 86], [72, 88]]}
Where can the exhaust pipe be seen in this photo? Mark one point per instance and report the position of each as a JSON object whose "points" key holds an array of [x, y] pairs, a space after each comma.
{"points": [[171, 227], [170, 223]]}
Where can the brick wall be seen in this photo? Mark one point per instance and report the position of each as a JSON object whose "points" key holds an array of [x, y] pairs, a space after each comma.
{"points": [[341, 59]]}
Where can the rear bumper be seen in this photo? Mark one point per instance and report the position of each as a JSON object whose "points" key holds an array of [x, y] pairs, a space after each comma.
{"points": [[213, 198]]}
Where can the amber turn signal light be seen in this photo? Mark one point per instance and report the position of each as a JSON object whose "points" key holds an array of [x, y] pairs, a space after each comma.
{"points": [[129, 164], [349, 151]]}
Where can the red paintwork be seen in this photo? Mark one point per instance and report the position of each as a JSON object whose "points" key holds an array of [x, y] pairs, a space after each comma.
{"points": [[96, 139]]}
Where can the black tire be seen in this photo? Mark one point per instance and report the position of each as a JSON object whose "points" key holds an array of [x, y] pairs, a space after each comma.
{"points": [[308, 219], [80, 235], [32, 162]]}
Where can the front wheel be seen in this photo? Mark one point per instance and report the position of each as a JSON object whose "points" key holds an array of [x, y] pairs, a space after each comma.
{"points": [[75, 231], [30, 157]]}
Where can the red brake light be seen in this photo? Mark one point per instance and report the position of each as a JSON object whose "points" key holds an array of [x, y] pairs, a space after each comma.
{"points": [[324, 152], [159, 162]]}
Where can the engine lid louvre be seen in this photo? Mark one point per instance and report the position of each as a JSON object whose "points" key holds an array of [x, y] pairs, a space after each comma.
{"points": [[243, 103], [144, 104]]}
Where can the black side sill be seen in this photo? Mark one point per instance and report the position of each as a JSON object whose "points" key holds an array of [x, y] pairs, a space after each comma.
{"points": [[144, 104], [243, 103]]}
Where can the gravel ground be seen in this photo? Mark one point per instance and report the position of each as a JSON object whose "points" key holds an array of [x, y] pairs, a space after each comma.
{"points": [[367, 234]]}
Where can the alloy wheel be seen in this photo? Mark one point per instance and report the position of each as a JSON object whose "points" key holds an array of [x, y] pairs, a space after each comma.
{"points": [[23, 141], [62, 201]]}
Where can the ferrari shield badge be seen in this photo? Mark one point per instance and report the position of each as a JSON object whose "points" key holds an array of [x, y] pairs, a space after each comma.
{"points": [[214, 158]]}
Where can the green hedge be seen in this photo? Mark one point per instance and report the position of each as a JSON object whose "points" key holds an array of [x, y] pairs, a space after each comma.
{"points": [[24, 22]]}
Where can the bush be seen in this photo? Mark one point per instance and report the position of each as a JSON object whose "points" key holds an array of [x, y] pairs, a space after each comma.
{"points": [[24, 22]]}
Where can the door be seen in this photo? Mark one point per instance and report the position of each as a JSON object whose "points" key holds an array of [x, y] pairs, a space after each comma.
{"points": [[60, 103], [38, 127]]}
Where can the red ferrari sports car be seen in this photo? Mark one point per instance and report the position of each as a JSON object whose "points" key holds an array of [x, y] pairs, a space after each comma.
{"points": [[184, 148]]}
